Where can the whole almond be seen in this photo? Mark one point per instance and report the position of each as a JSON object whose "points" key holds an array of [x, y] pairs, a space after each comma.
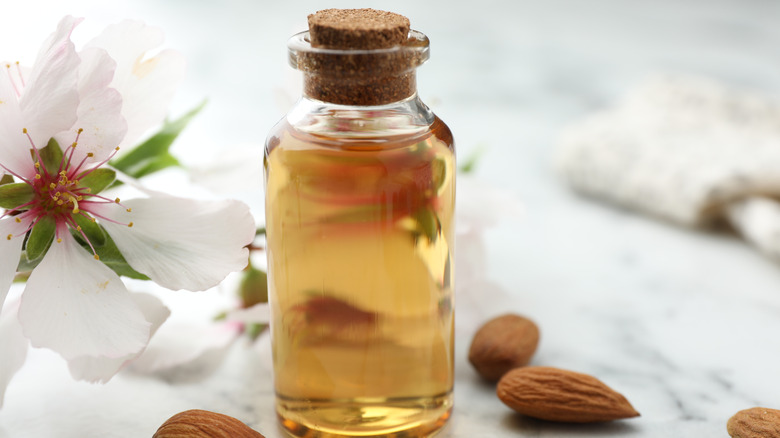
{"points": [[204, 424], [503, 343], [755, 423], [559, 395]]}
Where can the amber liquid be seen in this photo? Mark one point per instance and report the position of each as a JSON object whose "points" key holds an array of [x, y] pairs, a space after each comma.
{"points": [[360, 240]]}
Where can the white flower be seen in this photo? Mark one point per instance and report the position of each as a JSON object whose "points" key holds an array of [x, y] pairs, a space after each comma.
{"points": [[91, 102]]}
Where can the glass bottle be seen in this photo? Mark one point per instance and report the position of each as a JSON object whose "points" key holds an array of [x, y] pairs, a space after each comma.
{"points": [[360, 191]]}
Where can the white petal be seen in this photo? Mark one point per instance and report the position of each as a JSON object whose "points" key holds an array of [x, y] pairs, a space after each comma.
{"points": [[182, 344], [99, 111], [147, 84], [102, 369], [50, 98], [257, 314], [77, 306], [231, 168], [182, 243], [10, 251], [13, 346], [14, 145], [470, 259], [480, 206]]}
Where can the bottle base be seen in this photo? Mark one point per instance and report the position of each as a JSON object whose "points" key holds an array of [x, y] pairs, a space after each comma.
{"points": [[393, 418]]}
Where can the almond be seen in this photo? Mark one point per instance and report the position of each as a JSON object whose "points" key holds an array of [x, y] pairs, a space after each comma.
{"points": [[755, 423], [204, 424], [559, 395], [503, 343]]}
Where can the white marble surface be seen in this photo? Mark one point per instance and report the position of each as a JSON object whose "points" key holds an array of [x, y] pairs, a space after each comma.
{"points": [[685, 323]]}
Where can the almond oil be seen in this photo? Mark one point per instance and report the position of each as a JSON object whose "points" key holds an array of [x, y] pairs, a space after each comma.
{"points": [[359, 223]]}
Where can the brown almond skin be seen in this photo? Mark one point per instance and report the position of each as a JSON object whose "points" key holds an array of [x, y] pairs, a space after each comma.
{"points": [[503, 343], [554, 394], [196, 423], [755, 423]]}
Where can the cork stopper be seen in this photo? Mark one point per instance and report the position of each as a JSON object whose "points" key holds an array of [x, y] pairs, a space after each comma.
{"points": [[358, 56], [363, 29]]}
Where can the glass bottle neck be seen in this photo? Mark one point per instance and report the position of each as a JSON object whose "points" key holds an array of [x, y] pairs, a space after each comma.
{"points": [[404, 117]]}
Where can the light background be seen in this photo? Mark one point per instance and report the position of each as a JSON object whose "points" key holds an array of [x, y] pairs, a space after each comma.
{"points": [[686, 322]]}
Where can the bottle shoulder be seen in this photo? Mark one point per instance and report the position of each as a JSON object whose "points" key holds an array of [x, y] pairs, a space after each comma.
{"points": [[321, 124]]}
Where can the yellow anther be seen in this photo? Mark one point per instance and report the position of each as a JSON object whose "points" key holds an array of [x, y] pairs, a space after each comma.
{"points": [[59, 240], [60, 202], [130, 225], [74, 144], [78, 228], [129, 210], [24, 130], [8, 66], [37, 165], [10, 236], [17, 62], [53, 186], [18, 221], [79, 198], [80, 130], [117, 148], [90, 154], [63, 173], [116, 200], [97, 257], [37, 176]]}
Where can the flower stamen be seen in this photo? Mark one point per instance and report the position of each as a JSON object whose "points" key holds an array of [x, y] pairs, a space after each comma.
{"points": [[11, 78], [92, 169], [19, 72], [69, 154], [37, 155], [75, 226], [109, 219], [25, 180], [83, 160]]}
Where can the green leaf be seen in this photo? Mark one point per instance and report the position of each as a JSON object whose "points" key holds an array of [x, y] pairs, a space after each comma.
{"points": [[6, 179], [93, 231], [22, 276], [98, 179], [40, 238], [15, 194], [26, 265], [470, 163], [254, 287], [157, 164], [152, 155], [428, 223], [253, 331], [439, 173], [51, 156], [110, 256]]}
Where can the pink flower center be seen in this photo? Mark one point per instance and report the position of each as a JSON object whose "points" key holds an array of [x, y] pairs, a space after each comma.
{"points": [[61, 196]]}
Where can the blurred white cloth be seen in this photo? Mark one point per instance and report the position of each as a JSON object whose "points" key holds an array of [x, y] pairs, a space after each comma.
{"points": [[685, 149]]}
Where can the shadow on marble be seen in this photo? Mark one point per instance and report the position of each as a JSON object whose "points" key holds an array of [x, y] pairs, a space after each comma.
{"points": [[522, 424], [194, 371]]}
